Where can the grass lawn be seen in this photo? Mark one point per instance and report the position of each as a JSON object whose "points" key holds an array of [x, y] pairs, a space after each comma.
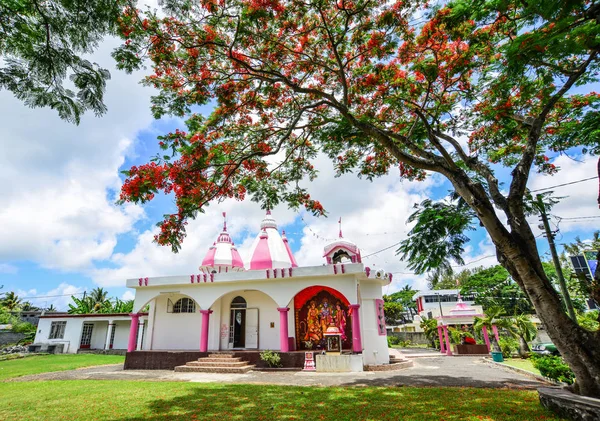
{"points": [[522, 364], [46, 363], [137, 401]]}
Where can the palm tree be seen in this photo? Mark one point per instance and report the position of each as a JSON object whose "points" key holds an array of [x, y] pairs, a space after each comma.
{"points": [[51, 308], [493, 317], [429, 327], [11, 301], [121, 306], [526, 332], [99, 297]]}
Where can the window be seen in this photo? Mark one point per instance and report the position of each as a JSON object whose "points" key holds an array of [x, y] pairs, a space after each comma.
{"points": [[238, 302], [57, 330], [183, 305]]}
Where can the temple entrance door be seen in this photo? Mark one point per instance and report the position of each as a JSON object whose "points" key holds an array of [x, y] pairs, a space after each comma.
{"points": [[252, 328], [237, 328]]}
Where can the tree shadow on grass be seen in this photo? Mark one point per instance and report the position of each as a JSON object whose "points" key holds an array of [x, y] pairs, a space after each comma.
{"points": [[245, 402]]}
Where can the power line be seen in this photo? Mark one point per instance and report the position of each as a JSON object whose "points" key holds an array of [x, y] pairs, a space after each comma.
{"points": [[564, 184], [578, 217], [51, 296], [379, 251]]}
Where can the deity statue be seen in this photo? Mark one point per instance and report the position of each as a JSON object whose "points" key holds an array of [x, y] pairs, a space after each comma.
{"points": [[313, 330], [325, 315], [340, 319]]}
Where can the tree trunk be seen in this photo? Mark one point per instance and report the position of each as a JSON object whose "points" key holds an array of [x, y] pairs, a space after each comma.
{"points": [[517, 252], [579, 348], [523, 347]]}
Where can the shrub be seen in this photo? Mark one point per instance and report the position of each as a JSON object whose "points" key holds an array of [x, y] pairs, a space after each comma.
{"points": [[508, 346], [405, 343], [393, 340], [273, 359], [554, 368]]}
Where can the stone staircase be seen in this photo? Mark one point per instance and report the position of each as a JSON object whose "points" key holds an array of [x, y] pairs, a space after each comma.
{"points": [[216, 363]]}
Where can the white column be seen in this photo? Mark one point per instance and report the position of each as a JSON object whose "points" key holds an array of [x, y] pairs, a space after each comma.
{"points": [[109, 331], [140, 334]]}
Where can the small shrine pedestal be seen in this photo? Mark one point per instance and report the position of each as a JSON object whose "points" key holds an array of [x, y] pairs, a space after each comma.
{"points": [[335, 363]]}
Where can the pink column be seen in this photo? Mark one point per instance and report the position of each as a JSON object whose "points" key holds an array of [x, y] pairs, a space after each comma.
{"points": [[486, 338], [284, 345], [356, 336], [133, 330], [495, 329], [448, 348], [204, 331], [441, 336]]}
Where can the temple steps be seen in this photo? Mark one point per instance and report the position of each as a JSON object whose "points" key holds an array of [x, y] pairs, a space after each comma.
{"points": [[216, 363]]}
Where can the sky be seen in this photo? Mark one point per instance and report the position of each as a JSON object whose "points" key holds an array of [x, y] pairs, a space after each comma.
{"points": [[62, 232]]}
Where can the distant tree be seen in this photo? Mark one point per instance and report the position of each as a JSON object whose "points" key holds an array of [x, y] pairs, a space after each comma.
{"points": [[11, 301], [43, 43], [27, 306], [429, 327], [405, 298], [99, 296], [448, 280], [126, 306], [393, 311], [494, 287], [526, 332], [81, 305], [494, 317], [51, 308]]}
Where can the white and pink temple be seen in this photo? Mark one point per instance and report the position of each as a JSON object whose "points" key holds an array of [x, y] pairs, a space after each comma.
{"points": [[266, 301]]}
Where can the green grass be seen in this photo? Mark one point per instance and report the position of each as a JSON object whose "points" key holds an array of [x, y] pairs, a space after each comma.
{"points": [[46, 363], [522, 364], [151, 401]]}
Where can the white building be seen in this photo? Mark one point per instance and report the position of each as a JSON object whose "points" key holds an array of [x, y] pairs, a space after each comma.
{"points": [[267, 303]]}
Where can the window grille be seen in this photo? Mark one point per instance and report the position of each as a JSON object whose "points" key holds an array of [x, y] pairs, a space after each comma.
{"points": [[57, 330], [183, 305]]}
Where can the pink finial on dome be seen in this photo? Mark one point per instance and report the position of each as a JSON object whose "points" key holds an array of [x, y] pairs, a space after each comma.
{"points": [[268, 211], [340, 223], [224, 221]]}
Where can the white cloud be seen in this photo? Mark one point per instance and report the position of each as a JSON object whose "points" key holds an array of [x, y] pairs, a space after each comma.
{"points": [[128, 295], [60, 179], [59, 297]]}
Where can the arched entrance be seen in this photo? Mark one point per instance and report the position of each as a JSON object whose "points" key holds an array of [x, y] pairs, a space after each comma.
{"points": [[315, 309], [243, 324]]}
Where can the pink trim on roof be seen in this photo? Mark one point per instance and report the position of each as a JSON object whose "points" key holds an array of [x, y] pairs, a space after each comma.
{"points": [[236, 258], [209, 260], [261, 259], [289, 251]]}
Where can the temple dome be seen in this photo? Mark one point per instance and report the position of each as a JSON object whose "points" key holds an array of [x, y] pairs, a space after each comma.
{"points": [[342, 250], [270, 250], [222, 256]]}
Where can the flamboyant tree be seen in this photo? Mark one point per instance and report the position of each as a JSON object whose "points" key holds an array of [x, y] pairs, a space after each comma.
{"points": [[377, 86], [43, 44]]}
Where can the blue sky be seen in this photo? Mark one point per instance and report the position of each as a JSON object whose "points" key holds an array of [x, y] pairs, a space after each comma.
{"points": [[62, 232]]}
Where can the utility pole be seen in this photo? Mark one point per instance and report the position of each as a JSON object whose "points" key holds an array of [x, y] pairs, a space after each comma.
{"points": [[561, 278]]}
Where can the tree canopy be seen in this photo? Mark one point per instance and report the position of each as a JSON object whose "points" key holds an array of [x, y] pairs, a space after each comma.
{"points": [[43, 44], [376, 86]]}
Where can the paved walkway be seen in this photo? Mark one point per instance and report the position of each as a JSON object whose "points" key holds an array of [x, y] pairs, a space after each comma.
{"points": [[427, 371]]}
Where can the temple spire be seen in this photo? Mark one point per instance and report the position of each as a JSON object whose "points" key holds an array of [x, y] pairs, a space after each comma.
{"points": [[340, 224], [224, 221]]}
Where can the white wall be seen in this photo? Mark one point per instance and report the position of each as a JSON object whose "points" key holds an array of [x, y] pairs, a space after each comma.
{"points": [[268, 337], [72, 333], [375, 348], [175, 330], [121, 334], [98, 334]]}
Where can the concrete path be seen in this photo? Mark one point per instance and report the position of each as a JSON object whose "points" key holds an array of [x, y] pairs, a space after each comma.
{"points": [[427, 371]]}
